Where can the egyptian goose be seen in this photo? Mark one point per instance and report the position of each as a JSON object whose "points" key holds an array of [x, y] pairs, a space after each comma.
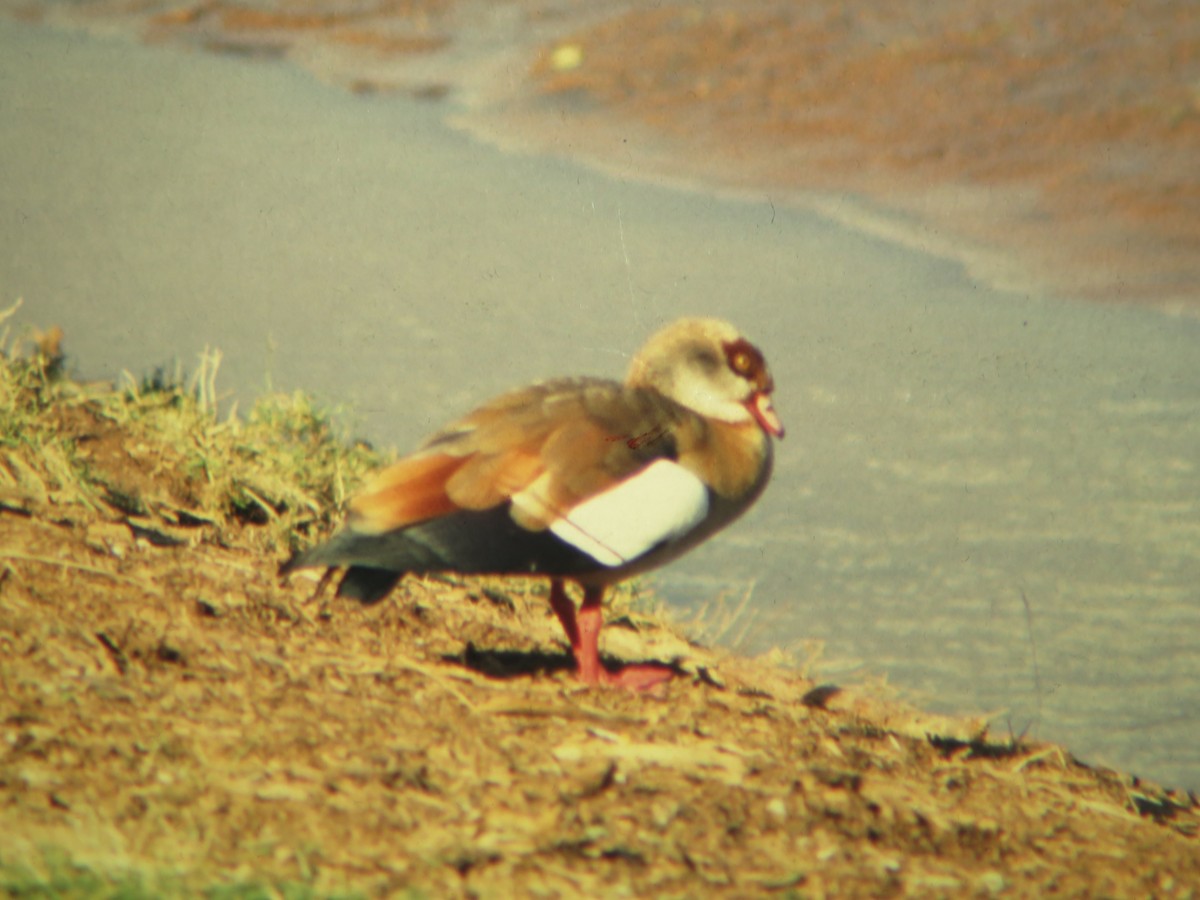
{"points": [[581, 478]]}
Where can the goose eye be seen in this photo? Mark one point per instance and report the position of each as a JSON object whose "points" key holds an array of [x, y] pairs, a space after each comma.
{"points": [[745, 361], [741, 363]]}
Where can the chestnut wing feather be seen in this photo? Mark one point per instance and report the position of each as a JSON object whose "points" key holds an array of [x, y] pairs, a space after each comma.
{"points": [[545, 448]]}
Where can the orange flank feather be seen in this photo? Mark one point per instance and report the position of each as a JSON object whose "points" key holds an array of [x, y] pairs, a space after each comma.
{"points": [[409, 491], [487, 479]]}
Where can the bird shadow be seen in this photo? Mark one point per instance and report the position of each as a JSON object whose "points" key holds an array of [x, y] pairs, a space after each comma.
{"points": [[506, 664], [509, 664]]}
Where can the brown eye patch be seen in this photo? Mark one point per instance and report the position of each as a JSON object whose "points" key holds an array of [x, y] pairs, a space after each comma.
{"points": [[744, 359]]}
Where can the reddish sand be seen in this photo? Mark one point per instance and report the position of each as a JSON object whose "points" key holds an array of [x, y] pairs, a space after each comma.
{"points": [[1082, 120], [1061, 141]]}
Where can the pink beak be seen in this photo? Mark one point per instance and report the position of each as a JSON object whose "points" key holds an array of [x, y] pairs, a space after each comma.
{"points": [[760, 407]]}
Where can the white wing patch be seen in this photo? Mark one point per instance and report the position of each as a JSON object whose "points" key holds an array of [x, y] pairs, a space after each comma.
{"points": [[661, 502]]}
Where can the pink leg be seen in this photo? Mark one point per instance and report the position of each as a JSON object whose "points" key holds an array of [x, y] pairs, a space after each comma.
{"points": [[589, 670], [587, 654], [565, 610]]}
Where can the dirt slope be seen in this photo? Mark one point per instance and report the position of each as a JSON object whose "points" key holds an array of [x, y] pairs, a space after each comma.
{"points": [[174, 720]]}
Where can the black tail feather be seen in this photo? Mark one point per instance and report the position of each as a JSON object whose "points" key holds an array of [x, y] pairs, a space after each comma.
{"points": [[367, 585]]}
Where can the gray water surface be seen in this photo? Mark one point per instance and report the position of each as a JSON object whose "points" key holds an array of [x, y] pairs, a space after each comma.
{"points": [[952, 449]]}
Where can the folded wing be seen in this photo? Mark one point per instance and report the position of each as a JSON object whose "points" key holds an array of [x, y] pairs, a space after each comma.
{"points": [[562, 478]]}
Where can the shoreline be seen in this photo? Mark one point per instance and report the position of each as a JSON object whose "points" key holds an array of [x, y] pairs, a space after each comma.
{"points": [[668, 96]]}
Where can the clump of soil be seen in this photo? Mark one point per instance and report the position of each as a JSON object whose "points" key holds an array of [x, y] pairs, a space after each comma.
{"points": [[173, 718], [1065, 133]]}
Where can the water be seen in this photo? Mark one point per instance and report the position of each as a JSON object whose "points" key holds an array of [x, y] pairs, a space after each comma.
{"points": [[971, 477]]}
